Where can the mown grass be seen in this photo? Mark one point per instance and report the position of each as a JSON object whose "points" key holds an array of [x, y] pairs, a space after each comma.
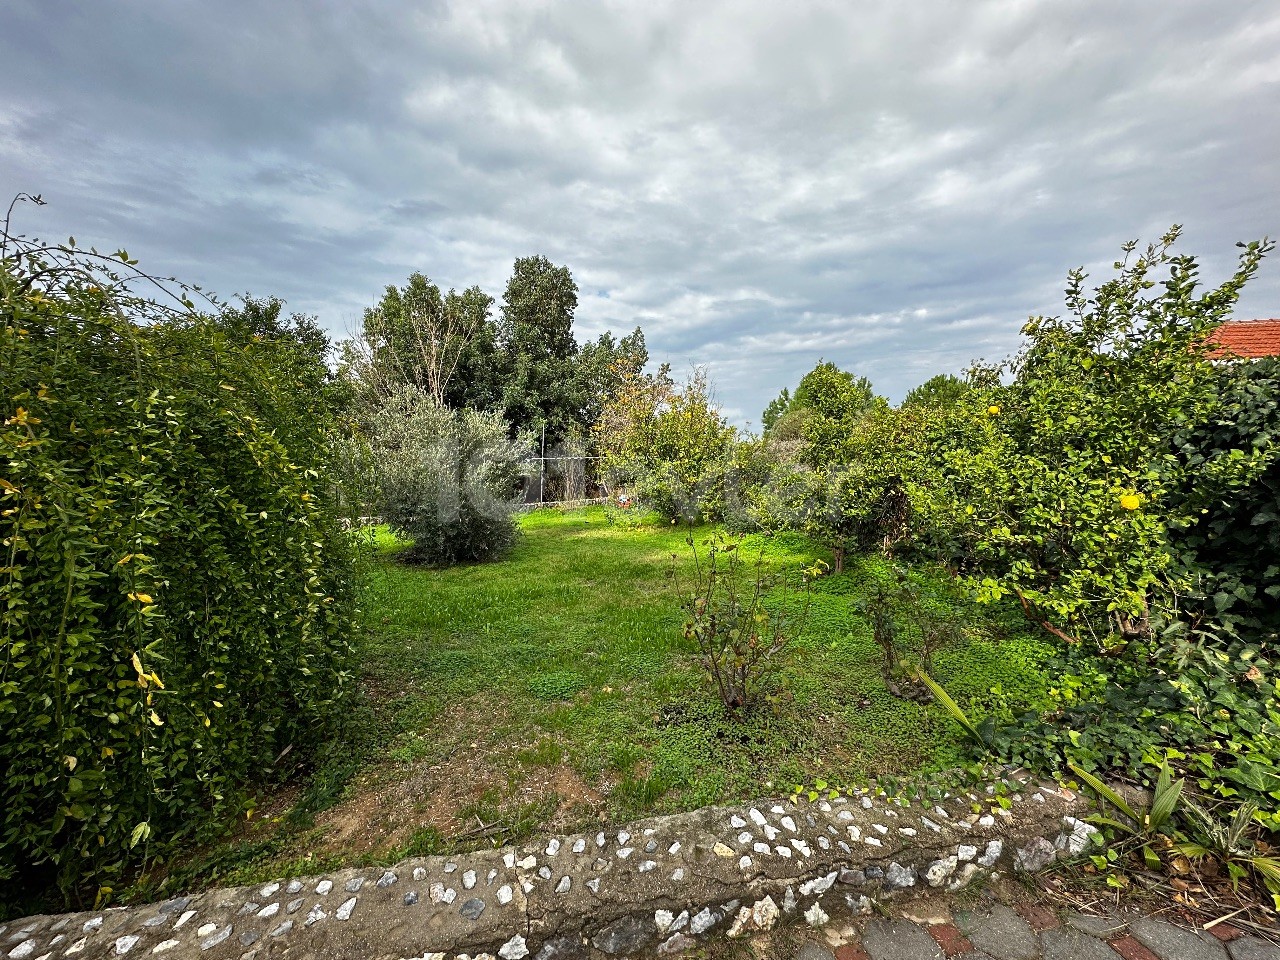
{"points": [[565, 662]]}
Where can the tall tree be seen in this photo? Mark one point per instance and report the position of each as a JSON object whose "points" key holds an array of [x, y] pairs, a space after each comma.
{"points": [[602, 367], [526, 364], [417, 335], [828, 404], [832, 392], [774, 411], [536, 334]]}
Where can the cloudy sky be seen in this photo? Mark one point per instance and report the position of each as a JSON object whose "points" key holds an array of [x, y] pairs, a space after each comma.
{"points": [[894, 187]]}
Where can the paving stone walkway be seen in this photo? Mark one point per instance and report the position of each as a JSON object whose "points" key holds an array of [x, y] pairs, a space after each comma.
{"points": [[1029, 932]]}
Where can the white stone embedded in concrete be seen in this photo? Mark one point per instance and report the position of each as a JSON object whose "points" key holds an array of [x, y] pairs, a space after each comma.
{"points": [[514, 949]]}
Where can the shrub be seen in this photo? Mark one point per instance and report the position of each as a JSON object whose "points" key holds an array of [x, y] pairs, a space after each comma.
{"points": [[1227, 523], [1077, 524], [742, 622], [889, 485], [175, 593], [941, 391], [750, 467], [909, 626], [670, 445], [447, 480]]}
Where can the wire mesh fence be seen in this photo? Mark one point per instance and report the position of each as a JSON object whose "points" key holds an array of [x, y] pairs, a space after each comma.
{"points": [[563, 475], [563, 481]]}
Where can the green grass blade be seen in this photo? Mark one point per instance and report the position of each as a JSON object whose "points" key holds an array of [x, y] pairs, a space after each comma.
{"points": [[1106, 793]]}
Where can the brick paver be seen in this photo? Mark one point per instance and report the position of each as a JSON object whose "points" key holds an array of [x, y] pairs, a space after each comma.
{"points": [[1128, 947], [1033, 932], [1226, 932], [950, 939]]}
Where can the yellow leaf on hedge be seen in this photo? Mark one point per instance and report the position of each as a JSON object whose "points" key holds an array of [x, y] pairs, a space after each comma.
{"points": [[143, 598], [155, 718]]}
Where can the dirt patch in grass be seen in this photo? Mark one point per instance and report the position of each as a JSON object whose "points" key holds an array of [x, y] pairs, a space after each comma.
{"points": [[473, 787], [370, 820], [469, 800]]}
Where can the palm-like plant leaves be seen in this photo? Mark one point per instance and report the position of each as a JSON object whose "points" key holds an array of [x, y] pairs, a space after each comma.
{"points": [[952, 708]]}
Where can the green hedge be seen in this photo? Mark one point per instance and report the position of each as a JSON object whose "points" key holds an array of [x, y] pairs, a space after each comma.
{"points": [[1232, 500], [175, 590]]}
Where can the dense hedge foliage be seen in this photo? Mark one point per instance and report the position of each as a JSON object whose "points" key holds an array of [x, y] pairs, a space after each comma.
{"points": [[174, 591], [1231, 534]]}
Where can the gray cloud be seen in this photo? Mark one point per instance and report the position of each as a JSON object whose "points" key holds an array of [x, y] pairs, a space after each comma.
{"points": [[892, 187]]}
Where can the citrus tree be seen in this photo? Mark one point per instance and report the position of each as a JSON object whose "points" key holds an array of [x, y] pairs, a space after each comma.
{"points": [[1077, 523], [670, 445]]}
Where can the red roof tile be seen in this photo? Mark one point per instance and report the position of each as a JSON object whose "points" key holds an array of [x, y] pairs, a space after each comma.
{"points": [[1248, 338]]}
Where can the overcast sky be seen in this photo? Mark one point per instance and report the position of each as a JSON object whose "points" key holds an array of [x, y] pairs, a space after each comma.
{"points": [[894, 187]]}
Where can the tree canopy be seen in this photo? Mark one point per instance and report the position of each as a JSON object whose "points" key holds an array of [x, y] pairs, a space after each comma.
{"points": [[942, 390], [524, 364]]}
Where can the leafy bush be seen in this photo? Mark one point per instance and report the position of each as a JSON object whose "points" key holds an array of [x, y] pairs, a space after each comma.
{"points": [[447, 480], [1227, 518], [750, 468], [897, 480], [175, 592], [941, 391], [1077, 524], [670, 446], [1119, 482], [742, 623], [908, 626]]}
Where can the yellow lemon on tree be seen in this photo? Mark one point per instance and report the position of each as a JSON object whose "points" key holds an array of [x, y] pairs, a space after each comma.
{"points": [[993, 409], [1131, 501]]}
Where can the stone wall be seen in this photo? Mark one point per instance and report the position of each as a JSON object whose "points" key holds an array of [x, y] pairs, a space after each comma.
{"points": [[653, 887]]}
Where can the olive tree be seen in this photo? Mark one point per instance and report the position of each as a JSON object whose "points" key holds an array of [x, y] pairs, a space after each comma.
{"points": [[447, 480]]}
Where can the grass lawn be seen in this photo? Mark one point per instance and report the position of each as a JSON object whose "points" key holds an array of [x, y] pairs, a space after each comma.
{"points": [[554, 689]]}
